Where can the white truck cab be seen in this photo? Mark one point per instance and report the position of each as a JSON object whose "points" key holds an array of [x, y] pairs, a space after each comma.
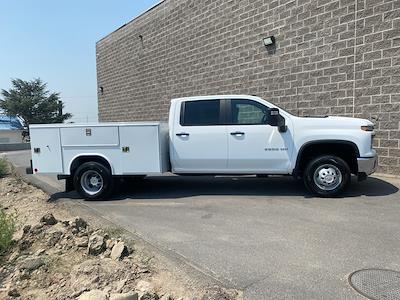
{"points": [[214, 135]]}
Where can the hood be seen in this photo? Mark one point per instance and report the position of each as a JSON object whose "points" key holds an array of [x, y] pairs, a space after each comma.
{"points": [[333, 122]]}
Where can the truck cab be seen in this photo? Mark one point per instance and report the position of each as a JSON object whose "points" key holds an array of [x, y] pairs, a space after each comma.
{"points": [[209, 135], [229, 135]]}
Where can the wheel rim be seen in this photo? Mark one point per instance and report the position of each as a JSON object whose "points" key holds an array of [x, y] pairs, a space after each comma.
{"points": [[92, 182], [328, 177]]}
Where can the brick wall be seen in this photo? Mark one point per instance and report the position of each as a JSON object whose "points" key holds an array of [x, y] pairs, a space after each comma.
{"points": [[337, 57]]}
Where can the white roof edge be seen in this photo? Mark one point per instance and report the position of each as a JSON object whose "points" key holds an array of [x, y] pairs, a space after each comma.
{"points": [[107, 124], [216, 97]]}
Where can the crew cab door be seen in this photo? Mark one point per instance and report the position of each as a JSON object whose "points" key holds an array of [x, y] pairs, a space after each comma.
{"points": [[255, 147], [199, 140]]}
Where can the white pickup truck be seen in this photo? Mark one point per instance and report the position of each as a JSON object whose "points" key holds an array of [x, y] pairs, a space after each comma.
{"points": [[209, 135]]}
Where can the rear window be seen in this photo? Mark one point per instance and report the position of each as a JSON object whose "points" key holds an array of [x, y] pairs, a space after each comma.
{"points": [[201, 113]]}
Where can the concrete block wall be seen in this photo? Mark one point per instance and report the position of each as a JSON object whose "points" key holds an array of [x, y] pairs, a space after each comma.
{"points": [[337, 57]]}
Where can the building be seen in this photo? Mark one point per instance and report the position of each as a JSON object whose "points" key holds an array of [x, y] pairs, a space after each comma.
{"points": [[337, 57]]}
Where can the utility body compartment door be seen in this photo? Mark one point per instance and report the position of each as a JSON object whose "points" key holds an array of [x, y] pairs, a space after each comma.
{"points": [[46, 150], [90, 136], [140, 150]]}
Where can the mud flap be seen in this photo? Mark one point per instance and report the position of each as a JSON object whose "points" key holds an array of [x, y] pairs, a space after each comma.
{"points": [[69, 184]]}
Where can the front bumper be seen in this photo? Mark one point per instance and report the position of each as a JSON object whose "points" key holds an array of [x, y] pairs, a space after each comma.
{"points": [[367, 165]]}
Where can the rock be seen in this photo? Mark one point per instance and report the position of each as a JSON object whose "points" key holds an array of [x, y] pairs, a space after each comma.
{"points": [[14, 293], [107, 253], [143, 286], [119, 251], [37, 229], [96, 244], [219, 294], [110, 244], [126, 296], [54, 238], [25, 245], [120, 285], [94, 295], [167, 297], [31, 264], [78, 224], [40, 252], [149, 296], [65, 223], [48, 219], [82, 242], [79, 292], [14, 256], [26, 229]]}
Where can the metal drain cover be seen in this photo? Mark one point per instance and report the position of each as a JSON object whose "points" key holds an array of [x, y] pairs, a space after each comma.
{"points": [[377, 284]]}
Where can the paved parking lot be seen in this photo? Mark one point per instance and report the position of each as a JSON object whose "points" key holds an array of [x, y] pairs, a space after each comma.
{"points": [[264, 236]]}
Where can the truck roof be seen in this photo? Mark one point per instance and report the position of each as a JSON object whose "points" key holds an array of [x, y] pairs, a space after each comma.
{"points": [[217, 97]]}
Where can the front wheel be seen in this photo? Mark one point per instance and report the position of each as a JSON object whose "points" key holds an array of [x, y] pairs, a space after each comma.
{"points": [[327, 176], [93, 181]]}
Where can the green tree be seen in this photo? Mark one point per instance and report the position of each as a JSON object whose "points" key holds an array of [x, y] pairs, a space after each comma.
{"points": [[33, 102]]}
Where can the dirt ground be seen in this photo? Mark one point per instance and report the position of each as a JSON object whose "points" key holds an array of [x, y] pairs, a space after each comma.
{"points": [[56, 255]]}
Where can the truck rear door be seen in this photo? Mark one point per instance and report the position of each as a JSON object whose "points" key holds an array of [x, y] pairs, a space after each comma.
{"points": [[46, 150], [199, 140]]}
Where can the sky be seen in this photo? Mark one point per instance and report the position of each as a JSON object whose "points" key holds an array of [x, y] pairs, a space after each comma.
{"points": [[55, 40]]}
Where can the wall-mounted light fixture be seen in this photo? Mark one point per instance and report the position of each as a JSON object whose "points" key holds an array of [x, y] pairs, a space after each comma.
{"points": [[101, 90], [141, 40], [269, 41]]}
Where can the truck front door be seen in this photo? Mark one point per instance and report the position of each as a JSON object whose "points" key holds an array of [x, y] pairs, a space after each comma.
{"points": [[254, 147], [199, 138]]}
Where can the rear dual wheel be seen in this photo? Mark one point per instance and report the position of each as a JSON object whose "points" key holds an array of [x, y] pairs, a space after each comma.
{"points": [[327, 176], [93, 181]]}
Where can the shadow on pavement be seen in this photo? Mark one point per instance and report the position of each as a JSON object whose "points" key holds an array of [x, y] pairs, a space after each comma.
{"points": [[170, 187]]}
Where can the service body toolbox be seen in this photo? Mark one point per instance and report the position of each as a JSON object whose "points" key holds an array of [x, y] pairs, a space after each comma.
{"points": [[133, 148]]}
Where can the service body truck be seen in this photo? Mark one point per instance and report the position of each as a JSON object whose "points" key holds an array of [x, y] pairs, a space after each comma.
{"points": [[208, 135]]}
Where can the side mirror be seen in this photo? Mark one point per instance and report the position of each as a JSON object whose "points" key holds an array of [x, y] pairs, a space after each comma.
{"points": [[276, 120]]}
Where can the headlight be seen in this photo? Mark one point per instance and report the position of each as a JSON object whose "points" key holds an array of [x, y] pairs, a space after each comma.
{"points": [[367, 128]]}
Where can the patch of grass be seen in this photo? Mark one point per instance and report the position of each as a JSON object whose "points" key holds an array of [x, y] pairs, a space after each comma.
{"points": [[3, 167], [7, 229]]}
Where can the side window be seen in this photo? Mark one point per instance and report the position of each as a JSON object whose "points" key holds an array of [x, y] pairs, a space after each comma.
{"points": [[200, 113], [248, 112]]}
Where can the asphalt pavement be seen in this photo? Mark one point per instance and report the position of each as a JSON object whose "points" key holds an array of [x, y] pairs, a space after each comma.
{"points": [[267, 237]]}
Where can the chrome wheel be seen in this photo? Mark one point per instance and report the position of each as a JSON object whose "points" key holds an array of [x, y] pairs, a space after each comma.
{"points": [[92, 182], [328, 177]]}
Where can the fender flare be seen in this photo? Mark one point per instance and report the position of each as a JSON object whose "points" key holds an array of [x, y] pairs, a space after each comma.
{"points": [[320, 142], [78, 156]]}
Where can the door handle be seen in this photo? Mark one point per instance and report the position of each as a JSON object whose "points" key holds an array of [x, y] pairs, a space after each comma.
{"points": [[236, 133], [182, 134]]}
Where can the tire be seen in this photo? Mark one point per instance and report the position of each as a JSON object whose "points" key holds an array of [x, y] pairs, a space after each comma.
{"points": [[93, 181], [327, 176]]}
